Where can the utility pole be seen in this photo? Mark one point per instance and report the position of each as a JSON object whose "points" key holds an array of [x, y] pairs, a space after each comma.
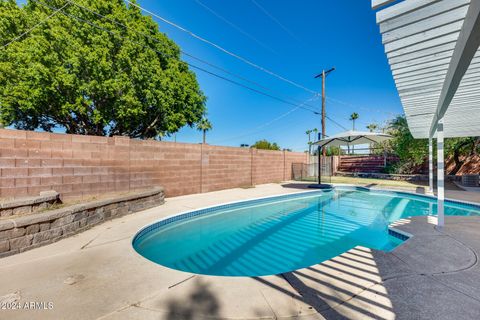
{"points": [[322, 75], [324, 151]]}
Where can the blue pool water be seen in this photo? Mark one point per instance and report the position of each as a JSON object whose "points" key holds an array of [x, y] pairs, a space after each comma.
{"points": [[285, 233]]}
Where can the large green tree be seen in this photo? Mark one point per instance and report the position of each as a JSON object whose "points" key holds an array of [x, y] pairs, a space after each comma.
{"points": [[120, 76]]}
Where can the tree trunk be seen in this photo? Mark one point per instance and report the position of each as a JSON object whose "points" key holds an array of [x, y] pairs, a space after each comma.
{"points": [[353, 147], [458, 163], [456, 157], [204, 136], [309, 145]]}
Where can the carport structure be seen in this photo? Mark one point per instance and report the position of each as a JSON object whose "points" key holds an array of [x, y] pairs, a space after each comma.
{"points": [[432, 47]]}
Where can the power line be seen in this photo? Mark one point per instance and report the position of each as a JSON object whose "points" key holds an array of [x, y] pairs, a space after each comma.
{"points": [[209, 63], [236, 56], [182, 51], [268, 14], [189, 64], [231, 24], [171, 46], [217, 67], [254, 131], [302, 106], [358, 107], [266, 124], [252, 89], [280, 127], [35, 26], [56, 10], [336, 123]]}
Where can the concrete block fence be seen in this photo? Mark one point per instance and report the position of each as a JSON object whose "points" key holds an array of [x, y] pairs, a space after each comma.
{"points": [[79, 166]]}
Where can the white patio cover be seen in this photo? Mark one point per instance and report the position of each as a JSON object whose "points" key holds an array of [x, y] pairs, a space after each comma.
{"points": [[432, 47], [350, 138]]}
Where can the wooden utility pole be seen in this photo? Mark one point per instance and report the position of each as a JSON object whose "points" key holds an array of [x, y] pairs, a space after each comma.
{"points": [[324, 151], [323, 75]]}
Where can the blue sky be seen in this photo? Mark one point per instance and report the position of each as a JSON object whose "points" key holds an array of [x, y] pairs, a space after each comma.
{"points": [[295, 39]]}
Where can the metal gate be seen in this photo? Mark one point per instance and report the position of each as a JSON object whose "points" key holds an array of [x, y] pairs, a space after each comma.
{"points": [[309, 171]]}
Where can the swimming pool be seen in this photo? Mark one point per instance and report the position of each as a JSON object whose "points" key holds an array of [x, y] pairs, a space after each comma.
{"points": [[283, 233]]}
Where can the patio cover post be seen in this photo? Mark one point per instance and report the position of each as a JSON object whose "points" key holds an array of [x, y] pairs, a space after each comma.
{"points": [[430, 165], [440, 175]]}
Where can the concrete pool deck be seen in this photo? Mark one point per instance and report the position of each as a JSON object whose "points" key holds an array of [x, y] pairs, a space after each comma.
{"points": [[98, 275]]}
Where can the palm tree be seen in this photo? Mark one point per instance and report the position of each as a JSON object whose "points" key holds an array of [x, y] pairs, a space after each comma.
{"points": [[372, 127], [308, 133], [204, 125], [353, 117]]}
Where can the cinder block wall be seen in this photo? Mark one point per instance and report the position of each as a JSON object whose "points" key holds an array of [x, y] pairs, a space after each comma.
{"points": [[79, 166]]}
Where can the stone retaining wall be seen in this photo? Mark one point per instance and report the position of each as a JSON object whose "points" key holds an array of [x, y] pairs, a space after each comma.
{"points": [[29, 205], [27, 232]]}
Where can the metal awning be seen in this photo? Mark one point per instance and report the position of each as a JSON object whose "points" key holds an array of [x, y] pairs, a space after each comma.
{"points": [[432, 47], [350, 138]]}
